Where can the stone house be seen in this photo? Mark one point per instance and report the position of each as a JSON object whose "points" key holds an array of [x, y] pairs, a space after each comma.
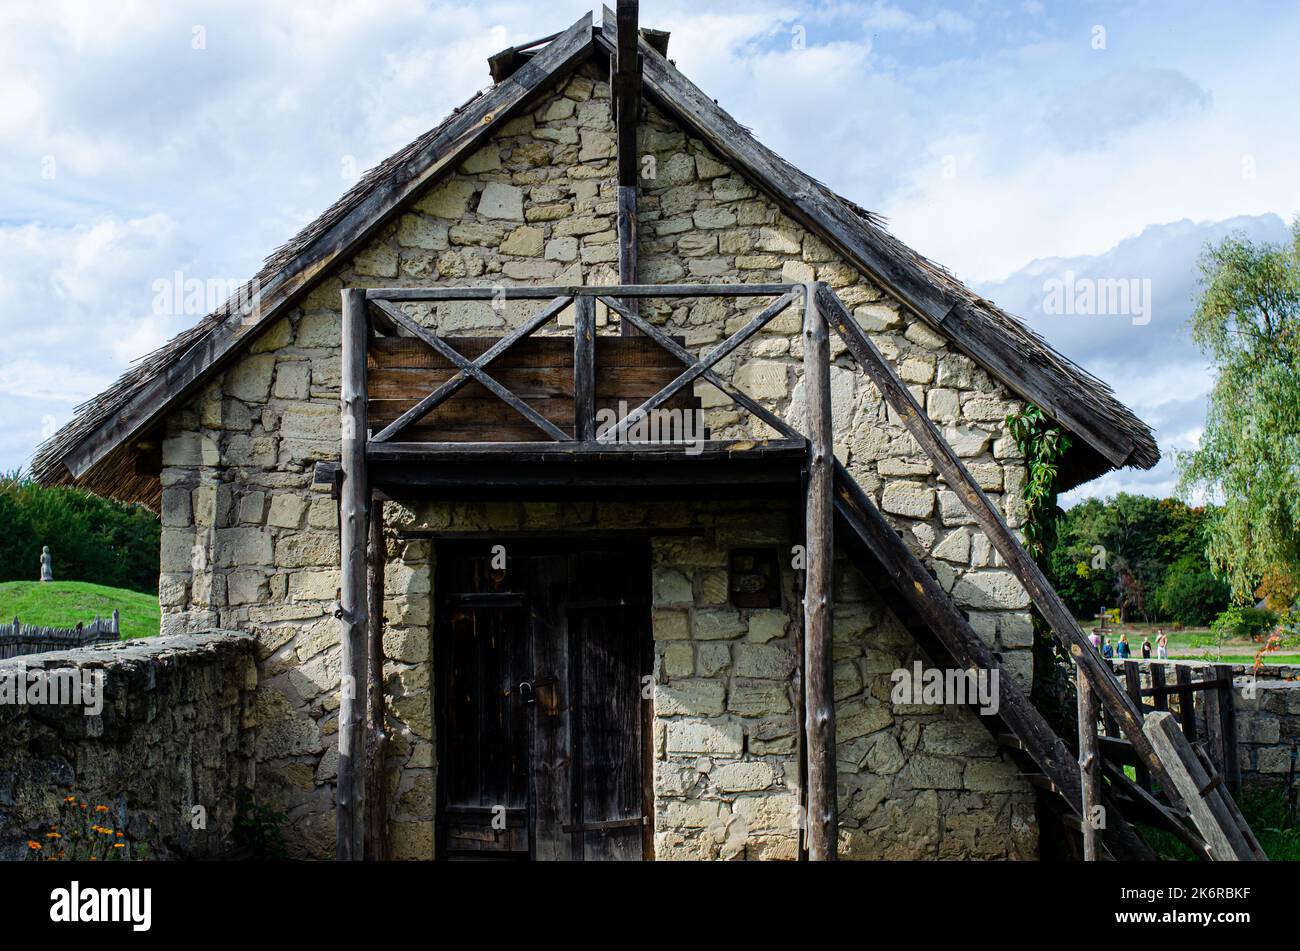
{"points": [[670, 606]]}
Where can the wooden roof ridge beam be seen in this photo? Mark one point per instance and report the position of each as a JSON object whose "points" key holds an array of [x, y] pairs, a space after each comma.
{"points": [[625, 90]]}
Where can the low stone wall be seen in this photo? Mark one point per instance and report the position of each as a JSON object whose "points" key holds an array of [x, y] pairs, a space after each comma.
{"points": [[166, 743], [1267, 671], [1268, 725]]}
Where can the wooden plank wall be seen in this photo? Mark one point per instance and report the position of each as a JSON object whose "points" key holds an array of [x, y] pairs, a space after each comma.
{"points": [[539, 370]]}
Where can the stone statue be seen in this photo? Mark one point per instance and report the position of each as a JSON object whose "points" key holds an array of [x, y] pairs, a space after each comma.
{"points": [[47, 564]]}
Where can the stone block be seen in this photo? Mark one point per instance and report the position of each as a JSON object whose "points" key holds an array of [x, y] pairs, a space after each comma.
{"points": [[502, 201], [911, 499], [712, 736]]}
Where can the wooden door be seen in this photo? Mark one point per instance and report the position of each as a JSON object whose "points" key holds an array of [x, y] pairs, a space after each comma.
{"points": [[542, 722]]}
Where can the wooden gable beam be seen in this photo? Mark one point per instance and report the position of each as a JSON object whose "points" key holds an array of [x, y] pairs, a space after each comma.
{"points": [[625, 91], [342, 239], [625, 100], [808, 203]]}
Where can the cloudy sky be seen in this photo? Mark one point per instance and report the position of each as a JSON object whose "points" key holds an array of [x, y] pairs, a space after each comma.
{"points": [[1028, 146]]}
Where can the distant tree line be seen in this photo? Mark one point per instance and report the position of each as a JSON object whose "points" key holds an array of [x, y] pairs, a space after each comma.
{"points": [[90, 538], [1142, 555]]}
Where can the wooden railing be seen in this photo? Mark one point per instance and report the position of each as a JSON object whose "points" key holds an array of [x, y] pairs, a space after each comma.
{"points": [[579, 396], [1203, 772]]}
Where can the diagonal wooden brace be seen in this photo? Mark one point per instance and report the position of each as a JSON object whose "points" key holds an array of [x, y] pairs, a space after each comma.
{"points": [[698, 368], [472, 369], [954, 472], [709, 376]]}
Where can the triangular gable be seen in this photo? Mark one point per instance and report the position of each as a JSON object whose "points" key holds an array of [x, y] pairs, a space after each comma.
{"points": [[182, 366], [999, 343], [1110, 435]]}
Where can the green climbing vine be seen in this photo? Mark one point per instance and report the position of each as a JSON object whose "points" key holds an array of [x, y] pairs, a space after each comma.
{"points": [[1043, 445]]}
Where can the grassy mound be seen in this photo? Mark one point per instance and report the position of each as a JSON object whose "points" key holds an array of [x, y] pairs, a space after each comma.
{"points": [[65, 603]]}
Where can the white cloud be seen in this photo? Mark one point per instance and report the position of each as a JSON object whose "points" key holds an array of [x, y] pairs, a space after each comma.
{"points": [[172, 158], [1154, 369], [886, 17]]}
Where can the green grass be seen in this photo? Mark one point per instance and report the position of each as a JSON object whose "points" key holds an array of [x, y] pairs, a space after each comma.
{"points": [[1265, 811], [65, 603]]}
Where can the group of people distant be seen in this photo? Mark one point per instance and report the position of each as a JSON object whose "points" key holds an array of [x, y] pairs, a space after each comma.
{"points": [[1124, 651]]}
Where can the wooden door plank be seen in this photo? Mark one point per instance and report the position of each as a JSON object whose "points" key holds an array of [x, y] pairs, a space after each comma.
{"points": [[551, 756]]}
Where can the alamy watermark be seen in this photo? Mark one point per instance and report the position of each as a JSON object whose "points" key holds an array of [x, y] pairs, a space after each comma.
{"points": [[1069, 296], [936, 687], [181, 296], [680, 426], [64, 686]]}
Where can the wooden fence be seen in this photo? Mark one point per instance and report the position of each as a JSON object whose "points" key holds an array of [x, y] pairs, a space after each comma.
{"points": [[1174, 687], [1198, 738], [17, 639]]}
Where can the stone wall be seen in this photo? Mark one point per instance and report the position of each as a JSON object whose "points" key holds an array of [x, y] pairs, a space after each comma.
{"points": [[915, 781], [248, 544], [1268, 727], [175, 732]]}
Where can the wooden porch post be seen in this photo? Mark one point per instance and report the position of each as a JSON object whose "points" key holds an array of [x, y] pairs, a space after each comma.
{"points": [[584, 368], [819, 693], [354, 500], [376, 826], [1089, 763]]}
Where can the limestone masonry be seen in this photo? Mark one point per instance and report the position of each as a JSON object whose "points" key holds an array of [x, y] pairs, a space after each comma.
{"points": [[247, 544]]}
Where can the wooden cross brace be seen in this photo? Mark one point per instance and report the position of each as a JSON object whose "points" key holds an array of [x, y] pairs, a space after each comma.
{"points": [[471, 370]]}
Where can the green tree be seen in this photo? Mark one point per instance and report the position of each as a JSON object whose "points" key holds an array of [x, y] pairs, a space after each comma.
{"points": [[1190, 593], [1121, 552], [1246, 322], [91, 538]]}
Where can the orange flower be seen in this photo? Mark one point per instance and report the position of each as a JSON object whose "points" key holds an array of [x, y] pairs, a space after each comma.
{"points": [[101, 808], [33, 844], [120, 845], [53, 835], [120, 834], [69, 798]]}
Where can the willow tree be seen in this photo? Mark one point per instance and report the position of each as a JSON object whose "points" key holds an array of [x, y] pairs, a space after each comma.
{"points": [[1247, 322]]}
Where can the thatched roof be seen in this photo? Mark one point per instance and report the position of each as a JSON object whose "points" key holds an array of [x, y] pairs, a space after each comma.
{"points": [[106, 446]]}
